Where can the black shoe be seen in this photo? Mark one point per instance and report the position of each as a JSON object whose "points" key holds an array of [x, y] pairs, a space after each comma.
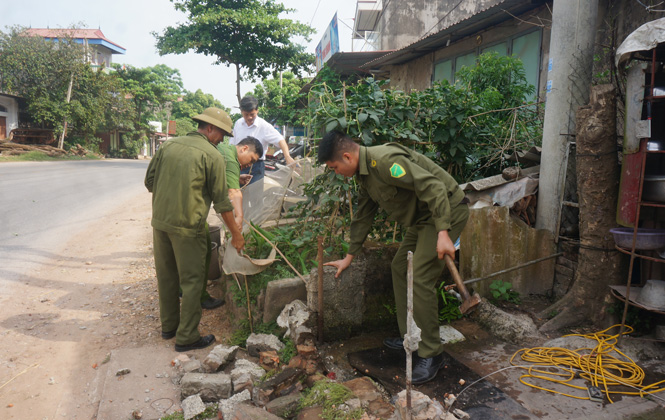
{"points": [[212, 303], [167, 335], [203, 342], [425, 369], [395, 343]]}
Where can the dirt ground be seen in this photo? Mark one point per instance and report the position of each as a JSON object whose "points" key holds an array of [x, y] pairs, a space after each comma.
{"points": [[62, 322]]}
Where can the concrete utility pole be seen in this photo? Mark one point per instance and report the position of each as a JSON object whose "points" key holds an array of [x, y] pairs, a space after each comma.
{"points": [[568, 86]]}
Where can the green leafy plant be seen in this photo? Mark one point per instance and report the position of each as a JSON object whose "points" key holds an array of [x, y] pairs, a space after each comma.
{"points": [[288, 351], [449, 307], [502, 291], [331, 396]]}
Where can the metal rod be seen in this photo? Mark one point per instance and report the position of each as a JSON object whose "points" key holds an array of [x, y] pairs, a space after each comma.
{"points": [[409, 320], [517, 267], [319, 261]]}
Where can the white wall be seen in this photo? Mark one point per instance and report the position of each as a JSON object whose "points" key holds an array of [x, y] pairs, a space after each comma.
{"points": [[12, 112]]}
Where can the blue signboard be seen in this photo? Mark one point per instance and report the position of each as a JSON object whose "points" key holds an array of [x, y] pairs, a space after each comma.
{"points": [[328, 45]]}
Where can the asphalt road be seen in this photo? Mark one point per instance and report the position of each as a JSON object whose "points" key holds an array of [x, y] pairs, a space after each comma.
{"points": [[43, 204]]}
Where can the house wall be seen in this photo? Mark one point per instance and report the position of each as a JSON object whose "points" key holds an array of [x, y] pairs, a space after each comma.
{"points": [[418, 74], [11, 115], [406, 21]]}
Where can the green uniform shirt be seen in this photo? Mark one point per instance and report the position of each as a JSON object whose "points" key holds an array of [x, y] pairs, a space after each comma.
{"points": [[407, 185], [185, 176], [230, 154]]}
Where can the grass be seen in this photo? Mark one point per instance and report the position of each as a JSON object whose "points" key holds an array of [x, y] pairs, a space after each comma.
{"points": [[36, 156]]}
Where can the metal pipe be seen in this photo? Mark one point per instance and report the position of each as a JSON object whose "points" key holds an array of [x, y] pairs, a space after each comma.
{"points": [[517, 267]]}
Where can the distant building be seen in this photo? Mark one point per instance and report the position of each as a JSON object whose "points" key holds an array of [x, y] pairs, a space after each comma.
{"points": [[99, 49], [9, 111]]}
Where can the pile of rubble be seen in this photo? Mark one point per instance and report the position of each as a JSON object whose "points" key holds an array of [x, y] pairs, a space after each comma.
{"points": [[252, 384]]}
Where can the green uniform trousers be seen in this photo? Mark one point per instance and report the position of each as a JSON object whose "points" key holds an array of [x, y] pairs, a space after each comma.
{"points": [[204, 293], [180, 261], [427, 268]]}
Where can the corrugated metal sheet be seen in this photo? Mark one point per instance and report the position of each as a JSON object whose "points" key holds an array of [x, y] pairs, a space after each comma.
{"points": [[493, 241]]}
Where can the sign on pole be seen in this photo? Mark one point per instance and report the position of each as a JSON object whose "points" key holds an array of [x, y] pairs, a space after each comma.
{"points": [[171, 128], [328, 45]]}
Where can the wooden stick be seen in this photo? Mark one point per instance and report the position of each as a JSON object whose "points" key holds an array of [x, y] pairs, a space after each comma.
{"points": [[409, 319], [280, 252], [319, 259], [249, 310]]}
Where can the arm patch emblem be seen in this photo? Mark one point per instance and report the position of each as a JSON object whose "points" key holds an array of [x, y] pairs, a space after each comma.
{"points": [[396, 171]]}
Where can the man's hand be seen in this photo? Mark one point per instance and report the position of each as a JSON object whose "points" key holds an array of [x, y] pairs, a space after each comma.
{"points": [[289, 160], [244, 179], [341, 265], [238, 242], [444, 245]]}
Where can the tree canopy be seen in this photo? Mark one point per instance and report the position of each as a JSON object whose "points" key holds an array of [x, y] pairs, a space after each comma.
{"points": [[279, 105], [248, 34], [40, 71], [189, 105]]}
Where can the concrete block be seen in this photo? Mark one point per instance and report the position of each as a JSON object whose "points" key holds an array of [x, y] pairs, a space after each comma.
{"points": [[257, 343], [211, 387], [283, 406], [280, 293], [219, 357]]}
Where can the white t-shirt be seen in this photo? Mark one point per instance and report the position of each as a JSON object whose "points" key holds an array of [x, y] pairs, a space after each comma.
{"points": [[261, 130]]}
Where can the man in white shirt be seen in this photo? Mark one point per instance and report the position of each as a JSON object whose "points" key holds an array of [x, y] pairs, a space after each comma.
{"points": [[251, 125]]}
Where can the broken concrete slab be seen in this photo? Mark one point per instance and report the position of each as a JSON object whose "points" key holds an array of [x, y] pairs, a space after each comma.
{"points": [[285, 405], [280, 293], [244, 374], [371, 397], [219, 357], [227, 406], [257, 343], [422, 408], [211, 386], [250, 412], [298, 320], [192, 406], [513, 328]]}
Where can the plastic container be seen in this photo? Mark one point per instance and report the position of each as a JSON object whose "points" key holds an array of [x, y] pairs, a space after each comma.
{"points": [[647, 239]]}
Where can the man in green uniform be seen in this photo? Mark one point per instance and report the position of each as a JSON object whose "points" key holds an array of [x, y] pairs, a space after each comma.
{"points": [[238, 156], [421, 196], [185, 176]]}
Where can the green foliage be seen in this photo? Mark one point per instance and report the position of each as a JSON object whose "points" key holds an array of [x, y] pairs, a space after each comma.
{"points": [[330, 396], [501, 291], [243, 331], [467, 127], [279, 105], [288, 351], [151, 89], [189, 105], [41, 72], [448, 306], [249, 35]]}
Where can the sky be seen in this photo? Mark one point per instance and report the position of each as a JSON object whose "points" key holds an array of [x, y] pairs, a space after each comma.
{"points": [[129, 23]]}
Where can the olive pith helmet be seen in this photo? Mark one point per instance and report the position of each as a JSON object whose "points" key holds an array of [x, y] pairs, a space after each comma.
{"points": [[217, 117]]}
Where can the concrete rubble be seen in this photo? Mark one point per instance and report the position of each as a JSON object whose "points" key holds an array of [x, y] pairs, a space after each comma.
{"points": [[245, 389]]}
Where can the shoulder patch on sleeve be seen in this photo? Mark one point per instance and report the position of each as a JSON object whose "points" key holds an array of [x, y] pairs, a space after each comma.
{"points": [[396, 171]]}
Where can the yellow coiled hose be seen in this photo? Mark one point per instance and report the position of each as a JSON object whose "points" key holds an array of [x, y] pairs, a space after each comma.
{"points": [[596, 364]]}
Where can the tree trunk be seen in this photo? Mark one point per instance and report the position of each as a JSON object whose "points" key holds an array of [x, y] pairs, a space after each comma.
{"points": [[238, 82], [597, 186]]}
